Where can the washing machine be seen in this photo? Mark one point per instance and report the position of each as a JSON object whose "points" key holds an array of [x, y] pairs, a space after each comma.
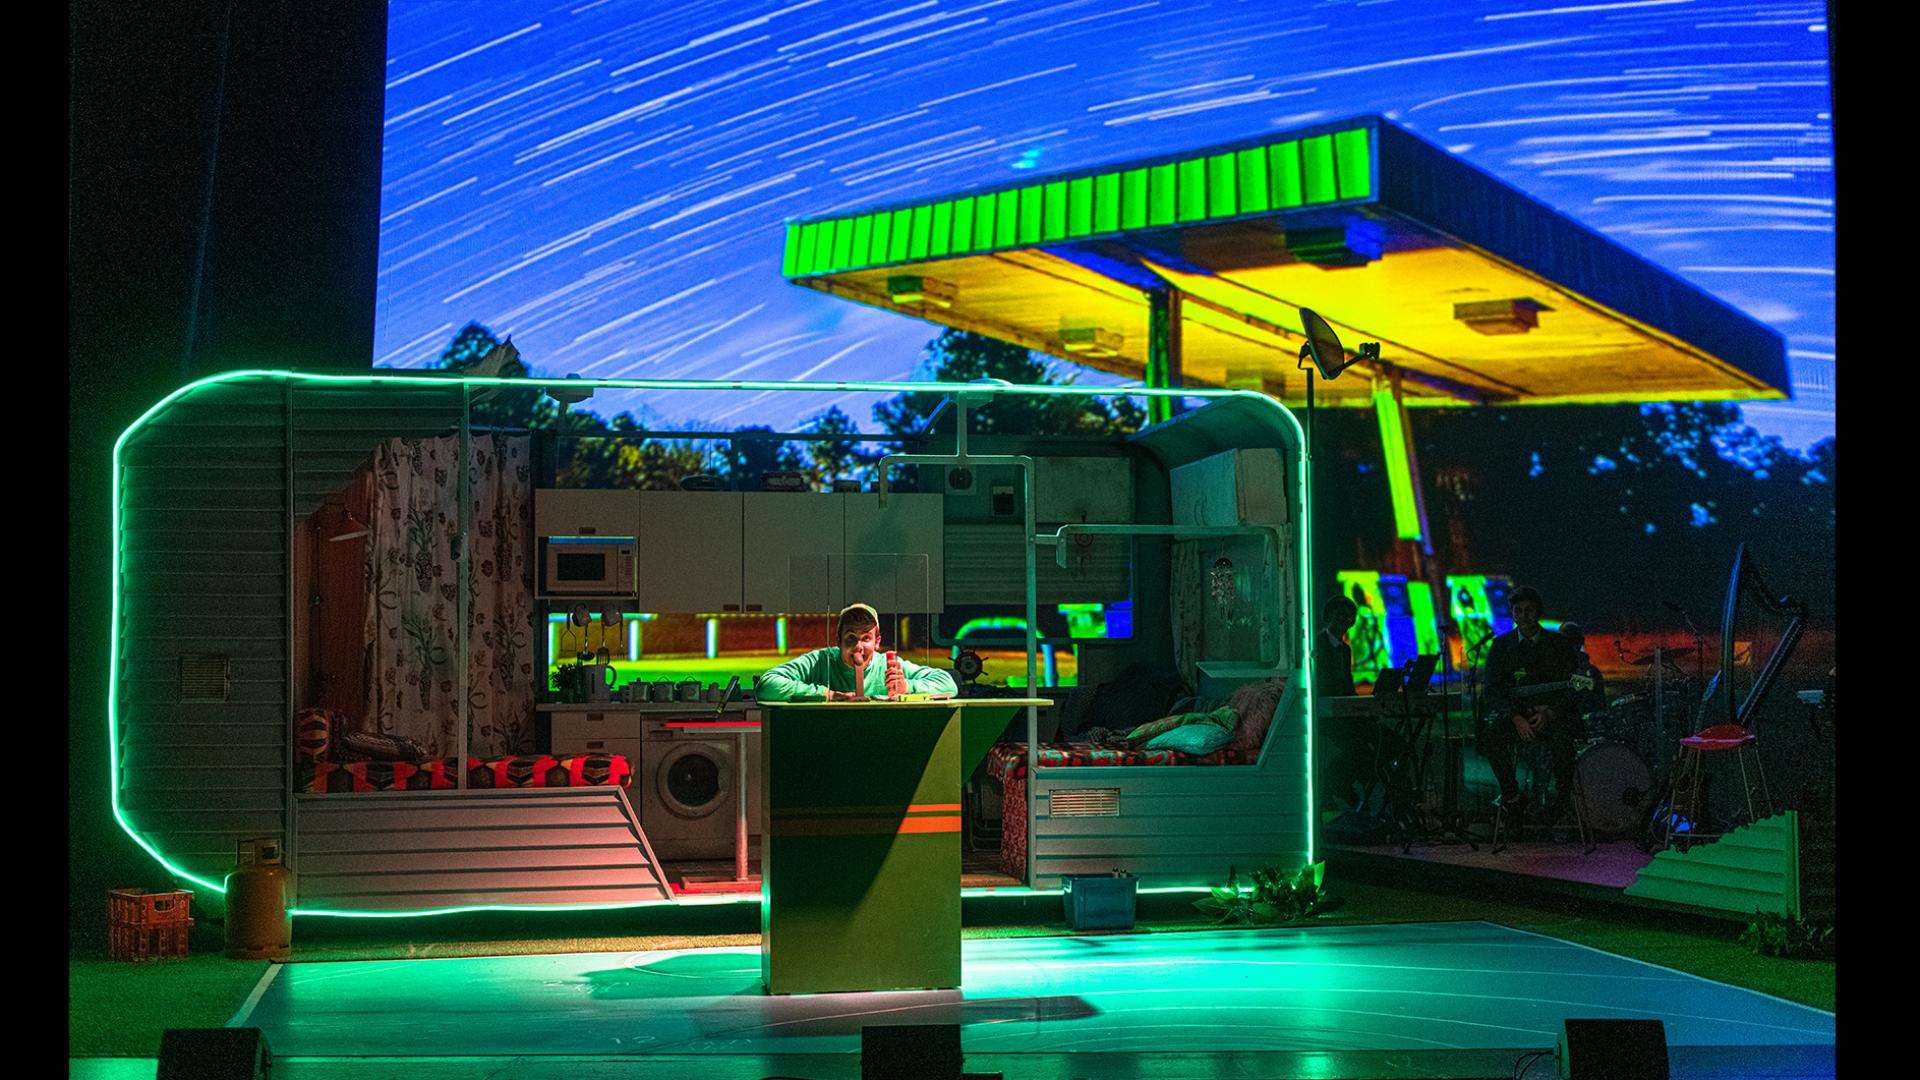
{"points": [[688, 781]]}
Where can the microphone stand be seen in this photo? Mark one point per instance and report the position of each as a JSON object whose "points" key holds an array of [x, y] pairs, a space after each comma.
{"points": [[1476, 659], [1452, 822]]}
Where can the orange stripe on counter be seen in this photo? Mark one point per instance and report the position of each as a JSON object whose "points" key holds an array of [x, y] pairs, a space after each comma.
{"points": [[891, 813], [866, 826]]}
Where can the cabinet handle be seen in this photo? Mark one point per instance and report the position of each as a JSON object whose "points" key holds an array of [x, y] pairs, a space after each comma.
{"points": [[593, 716], [729, 607], [753, 607], [596, 744]]}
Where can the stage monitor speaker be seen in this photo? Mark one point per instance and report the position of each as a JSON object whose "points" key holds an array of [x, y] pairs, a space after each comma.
{"points": [[214, 1054], [1613, 1050], [910, 1052]]}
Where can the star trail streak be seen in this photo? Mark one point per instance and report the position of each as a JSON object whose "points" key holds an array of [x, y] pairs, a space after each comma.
{"points": [[608, 182]]}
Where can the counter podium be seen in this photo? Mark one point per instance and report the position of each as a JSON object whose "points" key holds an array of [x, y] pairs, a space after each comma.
{"points": [[860, 861]]}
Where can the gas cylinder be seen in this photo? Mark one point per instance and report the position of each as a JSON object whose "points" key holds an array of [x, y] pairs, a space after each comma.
{"points": [[259, 899]]}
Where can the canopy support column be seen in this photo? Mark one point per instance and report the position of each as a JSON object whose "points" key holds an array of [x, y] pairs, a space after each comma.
{"points": [[1164, 367]]}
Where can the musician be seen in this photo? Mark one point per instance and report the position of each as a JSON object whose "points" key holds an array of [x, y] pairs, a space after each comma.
{"points": [[1530, 655], [1357, 751], [1332, 656]]}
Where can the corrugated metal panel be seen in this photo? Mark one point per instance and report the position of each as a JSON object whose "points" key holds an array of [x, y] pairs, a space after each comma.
{"points": [[986, 564], [1753, 868], [337, 426], [1178, 825], [418, 851], [204, 540]]}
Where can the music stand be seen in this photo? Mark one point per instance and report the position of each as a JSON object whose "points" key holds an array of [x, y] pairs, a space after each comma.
{"points": [[1395, 690]]}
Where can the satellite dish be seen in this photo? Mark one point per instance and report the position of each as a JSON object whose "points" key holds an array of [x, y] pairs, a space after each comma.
{"points": [[1323, 345]]}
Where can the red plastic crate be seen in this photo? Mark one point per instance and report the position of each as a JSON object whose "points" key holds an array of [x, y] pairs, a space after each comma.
{"points": [[138, 907], [129, 942]]}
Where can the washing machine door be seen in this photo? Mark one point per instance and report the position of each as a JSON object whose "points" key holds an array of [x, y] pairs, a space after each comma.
{"points": [[694, 781]]}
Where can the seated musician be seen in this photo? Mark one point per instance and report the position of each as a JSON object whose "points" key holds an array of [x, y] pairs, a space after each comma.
{"points": [[850, 671], [1530, 656], [1353, 748]]}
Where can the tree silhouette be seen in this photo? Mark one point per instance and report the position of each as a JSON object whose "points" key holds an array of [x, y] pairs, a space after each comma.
{"points": [[959, 356], [838, 459]]}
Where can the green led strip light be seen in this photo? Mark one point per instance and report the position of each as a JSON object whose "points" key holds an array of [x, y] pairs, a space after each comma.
{"points": [[1210, 186], [1301, 470]]}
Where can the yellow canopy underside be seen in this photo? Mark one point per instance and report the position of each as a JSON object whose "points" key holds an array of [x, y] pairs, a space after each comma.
{"points": [[1241, 327]]}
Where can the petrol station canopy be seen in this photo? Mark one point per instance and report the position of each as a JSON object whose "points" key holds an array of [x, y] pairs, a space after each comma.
{"points": [[1191, 270]]}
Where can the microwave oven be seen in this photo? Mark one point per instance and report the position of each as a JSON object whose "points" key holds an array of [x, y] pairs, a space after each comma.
{"points": [[591, 565]]}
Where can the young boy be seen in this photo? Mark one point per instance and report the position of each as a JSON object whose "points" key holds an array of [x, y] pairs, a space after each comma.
{"points": [[853, 671]]}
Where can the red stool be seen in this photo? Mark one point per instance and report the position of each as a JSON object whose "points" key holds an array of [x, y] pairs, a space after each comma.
{"points": [[1688, 782]]}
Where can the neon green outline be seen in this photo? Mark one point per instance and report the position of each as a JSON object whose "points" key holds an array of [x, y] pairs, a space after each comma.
{"points": [[1303, 465]]}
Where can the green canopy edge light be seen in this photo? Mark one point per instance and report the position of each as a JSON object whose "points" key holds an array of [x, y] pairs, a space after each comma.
{"points": [[1302, 466], [1209, 186]]}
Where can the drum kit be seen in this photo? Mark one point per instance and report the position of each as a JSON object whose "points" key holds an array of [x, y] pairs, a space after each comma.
{"points": [[1622, 739]]}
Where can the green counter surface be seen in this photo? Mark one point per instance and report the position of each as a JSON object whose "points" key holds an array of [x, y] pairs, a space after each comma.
{"points": [[863, 839]]}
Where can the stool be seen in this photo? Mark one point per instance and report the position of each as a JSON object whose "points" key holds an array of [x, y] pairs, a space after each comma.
{"points": [[1576, 798], [1688, 780]]}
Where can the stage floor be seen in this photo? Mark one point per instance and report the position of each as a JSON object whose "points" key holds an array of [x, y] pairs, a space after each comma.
{"points": [[1399, 990]]}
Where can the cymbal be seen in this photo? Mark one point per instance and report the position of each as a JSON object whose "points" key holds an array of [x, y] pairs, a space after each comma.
{"points": [[1665, 654]]}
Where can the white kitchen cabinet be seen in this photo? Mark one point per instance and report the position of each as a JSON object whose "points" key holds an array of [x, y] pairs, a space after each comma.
{"points": [[689, 551]]}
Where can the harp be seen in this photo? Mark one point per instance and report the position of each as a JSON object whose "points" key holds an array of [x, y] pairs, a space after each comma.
{"points": [[1758, 632]]}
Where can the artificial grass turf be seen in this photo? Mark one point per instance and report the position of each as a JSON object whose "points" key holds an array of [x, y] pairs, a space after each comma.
{"points": [[116, 1009], [120, 1009]]}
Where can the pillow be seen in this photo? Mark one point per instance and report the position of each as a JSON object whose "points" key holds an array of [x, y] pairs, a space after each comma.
{"points": [[382, 747], [1154, 728], [1254, 705], [1221, 718], [1196, 739]]}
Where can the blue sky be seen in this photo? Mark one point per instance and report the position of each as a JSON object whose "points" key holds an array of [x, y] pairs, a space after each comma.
{"points": [[607, 181]]}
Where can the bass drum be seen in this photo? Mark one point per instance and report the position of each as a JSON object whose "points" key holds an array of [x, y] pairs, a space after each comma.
{"points": [[1616, 786]]}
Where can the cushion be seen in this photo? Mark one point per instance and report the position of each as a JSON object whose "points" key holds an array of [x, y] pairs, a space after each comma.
{"points": [[1009, 760], [335, 776], [1196, 739], [312, 732], [379, 746], [546, 770]]}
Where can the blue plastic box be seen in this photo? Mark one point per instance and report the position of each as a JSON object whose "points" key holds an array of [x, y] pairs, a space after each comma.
{"points": [[1099, 901]]}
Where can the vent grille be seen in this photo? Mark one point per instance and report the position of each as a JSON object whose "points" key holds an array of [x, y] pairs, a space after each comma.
{"points": [[206, 678], [1086, 802]]}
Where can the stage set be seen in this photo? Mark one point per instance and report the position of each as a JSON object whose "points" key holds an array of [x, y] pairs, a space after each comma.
{"points": [[1117, 672]]}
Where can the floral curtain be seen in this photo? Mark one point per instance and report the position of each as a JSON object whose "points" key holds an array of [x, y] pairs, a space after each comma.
{"points": [[1187, 597], [412, 630]]}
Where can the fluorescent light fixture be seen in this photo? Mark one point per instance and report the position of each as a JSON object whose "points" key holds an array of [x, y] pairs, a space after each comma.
{"points": [[909, 289], [1090, 341]]}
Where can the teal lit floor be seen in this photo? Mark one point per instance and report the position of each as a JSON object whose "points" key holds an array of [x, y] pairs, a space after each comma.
{"points": [[1458, 995]]}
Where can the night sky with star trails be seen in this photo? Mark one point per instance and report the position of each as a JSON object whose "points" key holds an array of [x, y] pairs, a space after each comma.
{"points": [[608, 181]]}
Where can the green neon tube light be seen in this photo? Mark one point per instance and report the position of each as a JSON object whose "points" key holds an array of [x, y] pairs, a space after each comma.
{"points": [[1290, 425], [1393, 444]]}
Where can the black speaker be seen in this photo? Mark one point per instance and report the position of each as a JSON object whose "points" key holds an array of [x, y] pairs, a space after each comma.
{"points": [[214, 1054], [1613, 1050], [910, 1052]]}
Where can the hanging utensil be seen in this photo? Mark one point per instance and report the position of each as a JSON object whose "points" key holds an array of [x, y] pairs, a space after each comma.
{"points": [[581, 617]]}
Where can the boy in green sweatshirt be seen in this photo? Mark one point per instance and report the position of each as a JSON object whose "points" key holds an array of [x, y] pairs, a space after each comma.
{"points": [[851, 671]]}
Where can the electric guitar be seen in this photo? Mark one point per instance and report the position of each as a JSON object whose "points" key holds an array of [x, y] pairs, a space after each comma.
{"points": [[1579, 683]]}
